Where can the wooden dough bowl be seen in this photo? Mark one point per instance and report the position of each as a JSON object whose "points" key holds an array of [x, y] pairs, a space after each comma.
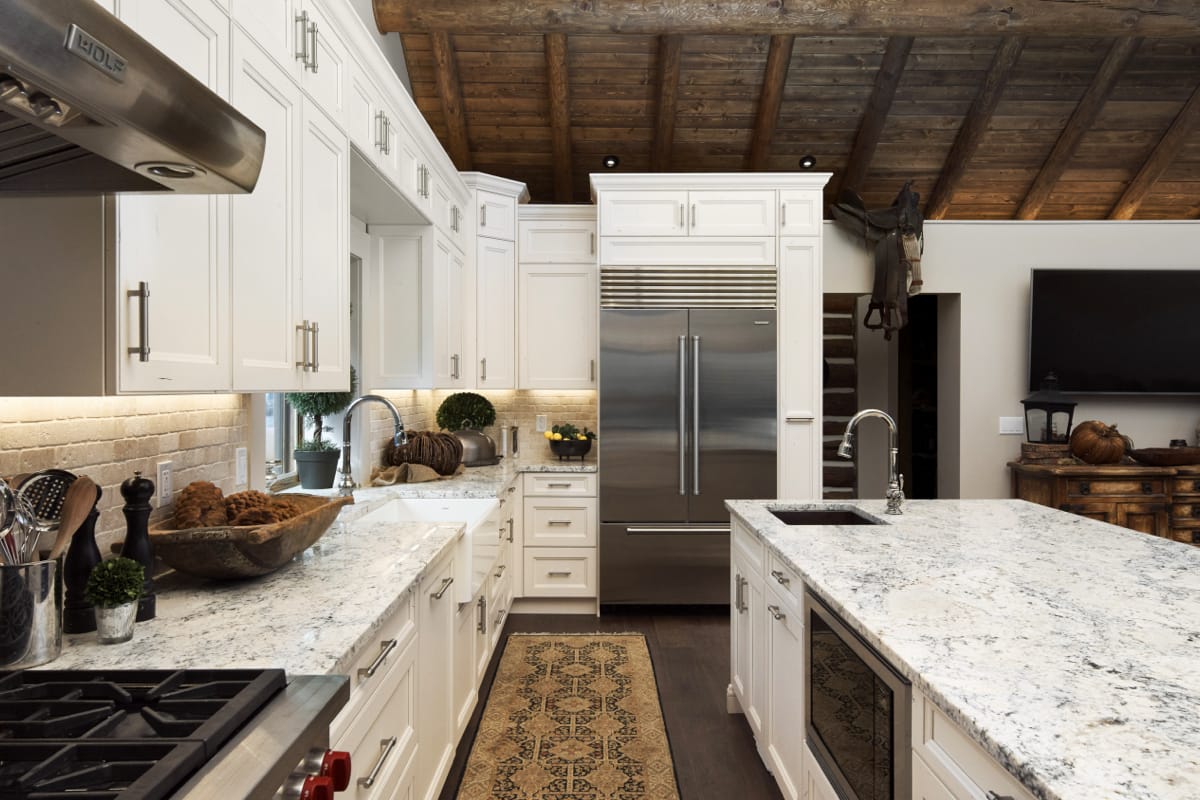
{"points": [[244, 551]]}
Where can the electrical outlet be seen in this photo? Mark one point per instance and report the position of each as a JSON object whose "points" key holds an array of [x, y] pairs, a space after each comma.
{"points": [[1012, 425], [541, 423], [240, 458], [164, 483]]}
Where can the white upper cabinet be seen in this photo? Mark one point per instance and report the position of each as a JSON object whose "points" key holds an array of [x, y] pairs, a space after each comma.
{"points": [[325, 76], [557, 306], [647, 212], [800, 212], [496, 314], [172, 252], [800, 347], [277, 27], [497, 216], [448, 298], [397, 306], [557, 235]]}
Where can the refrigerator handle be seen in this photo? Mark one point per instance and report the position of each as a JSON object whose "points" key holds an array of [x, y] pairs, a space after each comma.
{"points": [[695, 415], [682, 414]]}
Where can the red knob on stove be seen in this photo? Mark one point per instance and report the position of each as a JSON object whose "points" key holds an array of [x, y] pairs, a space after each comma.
{"points": [[336, 765], [317, 787]]}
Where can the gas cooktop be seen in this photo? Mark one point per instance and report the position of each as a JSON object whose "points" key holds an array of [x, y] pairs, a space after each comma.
{"points": [[120, 734]]}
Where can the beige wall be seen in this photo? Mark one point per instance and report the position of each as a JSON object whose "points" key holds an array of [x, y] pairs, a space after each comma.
{"points": [[988, 265], [107, 438]]}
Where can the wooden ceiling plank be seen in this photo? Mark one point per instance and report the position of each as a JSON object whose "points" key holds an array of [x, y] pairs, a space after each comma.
{"points": [[670, 50], [974, 126], [887, 79], [1089, 107], [1164, 153], [445, 69], [770, 100], [1159, 18], [560, 114]]}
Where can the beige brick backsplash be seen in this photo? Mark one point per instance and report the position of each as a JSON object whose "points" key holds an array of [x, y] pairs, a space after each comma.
{"points": [[108, 438]]}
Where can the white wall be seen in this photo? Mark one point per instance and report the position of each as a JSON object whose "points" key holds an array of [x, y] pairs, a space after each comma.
{"points": [[988, 264]]}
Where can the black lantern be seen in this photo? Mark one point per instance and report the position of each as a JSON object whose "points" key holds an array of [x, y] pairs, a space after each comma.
{"points": [[1048, 413]]}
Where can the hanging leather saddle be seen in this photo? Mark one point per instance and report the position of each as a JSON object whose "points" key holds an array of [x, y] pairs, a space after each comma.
{"points": [[896, 233]]}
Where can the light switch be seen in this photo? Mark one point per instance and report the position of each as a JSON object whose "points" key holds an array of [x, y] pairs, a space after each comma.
{"points": [[1012, 425]]}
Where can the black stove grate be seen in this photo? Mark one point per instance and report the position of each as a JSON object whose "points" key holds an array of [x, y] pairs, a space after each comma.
{"points": [[119, 734]]}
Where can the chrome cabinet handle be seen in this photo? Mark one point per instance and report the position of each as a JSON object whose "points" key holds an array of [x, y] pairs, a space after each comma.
{"points": [[387, 135], [682, 415], [441, 590], [561, 573], [304, 329], [481, 623], [510, 528], [695, 415], [593, 371], [692, 224], [302, 39], [782, 579], [388, 646], [315, 331], [776, 613], [454, 368], [483, 369], [483, 215], [739, 601], [783, 215], [500, 617], [312, 31], [142, 293], [558, 522], [592, 243], [388, 746], [682, 219]]}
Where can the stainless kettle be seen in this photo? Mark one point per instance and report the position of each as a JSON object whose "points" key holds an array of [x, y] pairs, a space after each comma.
{"points": [[478, 448]]}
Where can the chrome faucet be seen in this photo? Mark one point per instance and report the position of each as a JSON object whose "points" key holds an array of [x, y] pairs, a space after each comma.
{"points": [[895, 490], [347, 485]]}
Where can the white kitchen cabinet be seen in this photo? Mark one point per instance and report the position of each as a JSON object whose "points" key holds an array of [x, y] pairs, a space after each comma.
{"points": [[556, 234], [726, 212], [515, 509], [925, 785], [436, 734], [748, 634], [290, 239], [326, 75], [560, 521], [816, 785], [466, 691], [560, 571], [497, 214], [398, 308], [801, 339], [801, 212], [495, 314], [449, 296], [559, 535], [556, 330], [784, 732]]}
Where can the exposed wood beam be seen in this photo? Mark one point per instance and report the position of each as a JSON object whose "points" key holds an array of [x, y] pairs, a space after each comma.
{"points": [[975, 125], [880, 102], [1187, 121], [770, 100], [1158, 18], [445, 68], [560, 114], [670, 50], [1081, 120]]}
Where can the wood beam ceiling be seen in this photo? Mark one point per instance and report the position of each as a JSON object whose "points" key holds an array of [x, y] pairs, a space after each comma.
{"points": [[880, 102], [971, 133], [670, 51], [1160, 18], [1082, 119], [1184, 124], [770, 100], [445, 68], [560, 114]]}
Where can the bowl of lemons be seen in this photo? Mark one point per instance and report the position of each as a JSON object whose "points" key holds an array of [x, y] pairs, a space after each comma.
{"points": [[567, 441]]}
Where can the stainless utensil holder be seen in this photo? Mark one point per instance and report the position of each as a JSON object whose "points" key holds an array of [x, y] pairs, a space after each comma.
{"points": [[31, 607]]}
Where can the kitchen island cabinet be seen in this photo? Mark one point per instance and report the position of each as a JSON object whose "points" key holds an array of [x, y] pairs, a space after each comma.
{"points": [[1019, 666]]}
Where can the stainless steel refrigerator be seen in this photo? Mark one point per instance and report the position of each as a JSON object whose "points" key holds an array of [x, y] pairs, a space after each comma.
{"points": [[687, 420]]}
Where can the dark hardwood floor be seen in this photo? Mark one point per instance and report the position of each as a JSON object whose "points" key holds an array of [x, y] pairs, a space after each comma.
{"points": [[713, 750]]}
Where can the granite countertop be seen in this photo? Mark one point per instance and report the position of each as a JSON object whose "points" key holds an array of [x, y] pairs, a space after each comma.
{"points": [[1066, 647]]}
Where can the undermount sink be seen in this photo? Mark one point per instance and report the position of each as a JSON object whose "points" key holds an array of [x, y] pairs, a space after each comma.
{"points": [[823, 516]]}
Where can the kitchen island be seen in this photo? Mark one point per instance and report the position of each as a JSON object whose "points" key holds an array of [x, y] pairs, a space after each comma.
{"points": [[1064, 647]]}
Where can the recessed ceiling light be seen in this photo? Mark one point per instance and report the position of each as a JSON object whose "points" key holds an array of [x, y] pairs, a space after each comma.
{"points": [[808, 162], [611, 162]]}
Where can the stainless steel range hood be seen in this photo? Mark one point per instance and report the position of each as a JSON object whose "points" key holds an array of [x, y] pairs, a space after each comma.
{"points": [[87, 106]]}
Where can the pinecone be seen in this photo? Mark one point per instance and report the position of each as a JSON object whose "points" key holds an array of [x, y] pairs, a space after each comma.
{"points": [[200, 505], [237, 503]]}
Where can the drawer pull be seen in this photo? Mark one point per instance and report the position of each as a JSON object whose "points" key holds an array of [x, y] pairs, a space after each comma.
{"points": [[500, 570], [481, 623], [500, 617], [1196, 486], [993, 796], [1196, 510], [441, 590], [558, 486], [558, 522], [776, 613], [1147, 487], [559, 573], [388, 646], [782, 579], [738, 602], [1085, 487], [388, 746], [510, 529]]}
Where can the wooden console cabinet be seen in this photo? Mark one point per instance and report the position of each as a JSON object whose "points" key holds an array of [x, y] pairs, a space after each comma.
{"points": [[1161, 501]]}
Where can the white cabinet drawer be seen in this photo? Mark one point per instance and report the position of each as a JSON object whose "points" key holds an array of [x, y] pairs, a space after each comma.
{"points": [[560, 522], [556, 241], [557, 484], [368, 736], [497, 216], [560, 571], [956, 759], [786, 582], [750, 547], [384, 649]]}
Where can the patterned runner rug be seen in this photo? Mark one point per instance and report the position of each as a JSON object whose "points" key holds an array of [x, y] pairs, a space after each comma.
{"points": [[572, 717]]}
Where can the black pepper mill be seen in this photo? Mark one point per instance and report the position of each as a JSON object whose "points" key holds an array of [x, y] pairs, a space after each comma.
{"points": [[79, 616], [137, 492]]}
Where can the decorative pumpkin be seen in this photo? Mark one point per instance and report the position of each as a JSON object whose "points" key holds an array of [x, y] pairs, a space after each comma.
{"points": [[1097, 443]]}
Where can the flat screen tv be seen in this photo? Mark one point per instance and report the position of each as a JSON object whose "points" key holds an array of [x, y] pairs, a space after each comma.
{"points": [[1116, 331]]}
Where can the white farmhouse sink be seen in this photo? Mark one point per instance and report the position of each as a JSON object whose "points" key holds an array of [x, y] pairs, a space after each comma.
{"points": [[477, 550]]}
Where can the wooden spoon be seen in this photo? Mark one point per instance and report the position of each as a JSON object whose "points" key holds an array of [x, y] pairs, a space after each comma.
{"points": [[81, 496]]}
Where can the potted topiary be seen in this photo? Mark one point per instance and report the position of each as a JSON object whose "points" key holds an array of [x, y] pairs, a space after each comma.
{"points": [[114, 588], [464, 414], [317, 458]]}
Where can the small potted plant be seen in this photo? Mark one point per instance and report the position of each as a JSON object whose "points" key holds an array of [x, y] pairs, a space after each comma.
{"points": [[114, 588], [317, 458], [567, 441]]}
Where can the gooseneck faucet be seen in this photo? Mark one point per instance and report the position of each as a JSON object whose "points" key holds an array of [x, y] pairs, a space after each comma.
{"points": [[895, 490], [347, 485]]}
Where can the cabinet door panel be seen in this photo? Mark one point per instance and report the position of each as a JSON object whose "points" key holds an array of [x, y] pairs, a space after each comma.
{"points": [[327, 83], [725, 213], [800, 212], [557, 329], [496, 314], [397, 355], [558, 241], [497, 216], [643, 213], [435, 711], [785, 688], [275, 27], [800, 349], [1151, 518], [448, 280]]}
